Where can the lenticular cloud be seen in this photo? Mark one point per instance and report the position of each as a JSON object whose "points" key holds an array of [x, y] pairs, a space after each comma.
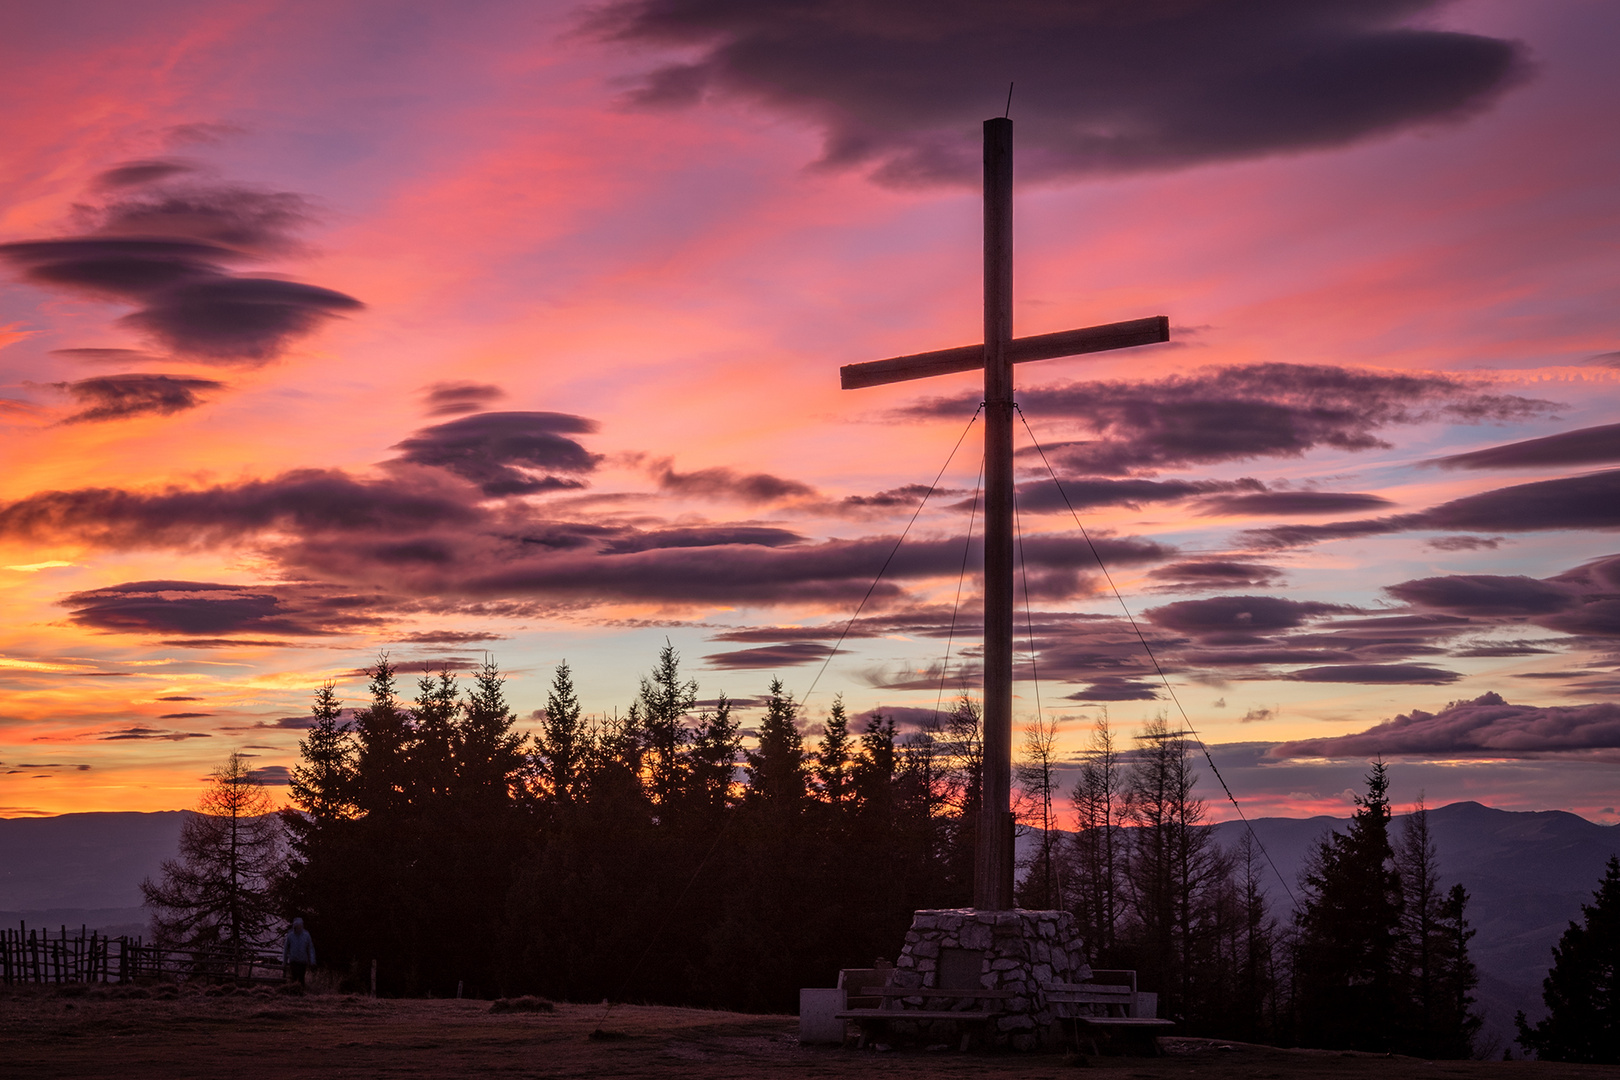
{"points": [[1485, 725], [898, 86], [171, 251]]}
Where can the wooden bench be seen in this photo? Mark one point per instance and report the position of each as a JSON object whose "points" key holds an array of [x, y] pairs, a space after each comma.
{"points": [[1108, 1005], [981, 1006]]}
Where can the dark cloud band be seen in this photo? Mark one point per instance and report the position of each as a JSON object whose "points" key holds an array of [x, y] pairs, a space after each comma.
{"points": [[118, 397], [898, 86], [1242, 413]]}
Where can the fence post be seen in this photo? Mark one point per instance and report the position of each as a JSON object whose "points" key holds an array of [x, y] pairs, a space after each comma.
{"points": [[374, 978]]}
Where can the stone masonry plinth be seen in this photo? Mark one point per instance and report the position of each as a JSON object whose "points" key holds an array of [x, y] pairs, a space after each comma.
{"points": [[1018, 951]]}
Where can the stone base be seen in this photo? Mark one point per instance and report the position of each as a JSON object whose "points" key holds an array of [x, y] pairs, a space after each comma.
{"points": [[1018, 951]]}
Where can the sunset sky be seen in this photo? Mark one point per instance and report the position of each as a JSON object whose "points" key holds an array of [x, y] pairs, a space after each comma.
{"points": [[333, 329]]}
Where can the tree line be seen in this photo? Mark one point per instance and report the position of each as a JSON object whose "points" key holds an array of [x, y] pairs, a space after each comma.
{"points": [[660, 855]]}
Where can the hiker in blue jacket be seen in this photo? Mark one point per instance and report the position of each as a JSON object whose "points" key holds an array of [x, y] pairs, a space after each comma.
{"points": [[298, 952]]}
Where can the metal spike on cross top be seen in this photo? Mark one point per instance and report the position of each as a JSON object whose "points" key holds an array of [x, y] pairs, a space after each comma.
{"points": [[993, 855]]}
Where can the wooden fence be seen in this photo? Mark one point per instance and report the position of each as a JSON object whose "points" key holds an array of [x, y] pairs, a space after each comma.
{"points": [[41, 956]]}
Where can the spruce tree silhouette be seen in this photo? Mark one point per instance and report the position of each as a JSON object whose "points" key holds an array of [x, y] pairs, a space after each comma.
{"points": [[561, 739], [1582, 991], [1349, 929], [663, 704]]}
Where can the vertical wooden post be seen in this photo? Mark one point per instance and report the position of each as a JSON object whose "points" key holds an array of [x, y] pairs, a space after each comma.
{"points": [[993, 862], [374, 978]]}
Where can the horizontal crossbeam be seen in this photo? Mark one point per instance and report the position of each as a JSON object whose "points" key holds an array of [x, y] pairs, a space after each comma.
{"points": [[1090, 339]]}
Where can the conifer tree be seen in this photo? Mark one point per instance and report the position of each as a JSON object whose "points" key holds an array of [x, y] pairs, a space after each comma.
{"points": [[833, 756], [1349, 930], [383, 736], [562, 737], [433, 750], [490, 763], [1457, 1023], [661, 707], [1582, 991], [716, 747], [872, 775], [778, 775], [322, 783]]}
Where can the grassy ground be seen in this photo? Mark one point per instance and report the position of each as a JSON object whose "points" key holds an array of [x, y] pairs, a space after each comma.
{"points": [[44, 1035]]}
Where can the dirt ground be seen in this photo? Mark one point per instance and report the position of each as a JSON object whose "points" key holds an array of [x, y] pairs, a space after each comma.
{"points": [[45, 1035]]}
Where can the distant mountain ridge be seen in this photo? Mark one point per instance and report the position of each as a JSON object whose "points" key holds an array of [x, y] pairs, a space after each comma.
{"points": [[83, 869]]}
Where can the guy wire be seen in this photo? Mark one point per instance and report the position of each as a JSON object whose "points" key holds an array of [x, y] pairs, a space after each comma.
{"points": [[1185, 719], [956, 604], [892, 552]]}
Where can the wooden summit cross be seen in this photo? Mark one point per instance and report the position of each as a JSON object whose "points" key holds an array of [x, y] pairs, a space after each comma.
{"points": [[993, 856]]}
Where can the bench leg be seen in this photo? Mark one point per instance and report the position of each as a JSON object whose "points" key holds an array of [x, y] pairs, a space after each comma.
{"points": [[872, 1032]]}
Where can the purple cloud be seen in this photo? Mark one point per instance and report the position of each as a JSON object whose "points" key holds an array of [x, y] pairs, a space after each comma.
{"points": [[455, 398], [1487, 725], [770, 656], [1215, 574], [271, 776], [898, 87], [118, 397], [506, 453], [166, 249], [1114, 688], [1244, 412], [1291, 502], [1583, 446], [728, 483], [138, 732], [140, 173], [1244, 616], [448, 637], [1591, 501], [1376, 674], [309, 502], [1484, 594], [1081, 492], [1584, 601], [229, 320], [207, 608]]}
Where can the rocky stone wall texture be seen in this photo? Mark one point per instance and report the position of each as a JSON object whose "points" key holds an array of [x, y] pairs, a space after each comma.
{"points": [[1021, 952]]}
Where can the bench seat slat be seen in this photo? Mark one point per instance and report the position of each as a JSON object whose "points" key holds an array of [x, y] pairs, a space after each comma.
{"points": [[937, 992], [914, 1014]]}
